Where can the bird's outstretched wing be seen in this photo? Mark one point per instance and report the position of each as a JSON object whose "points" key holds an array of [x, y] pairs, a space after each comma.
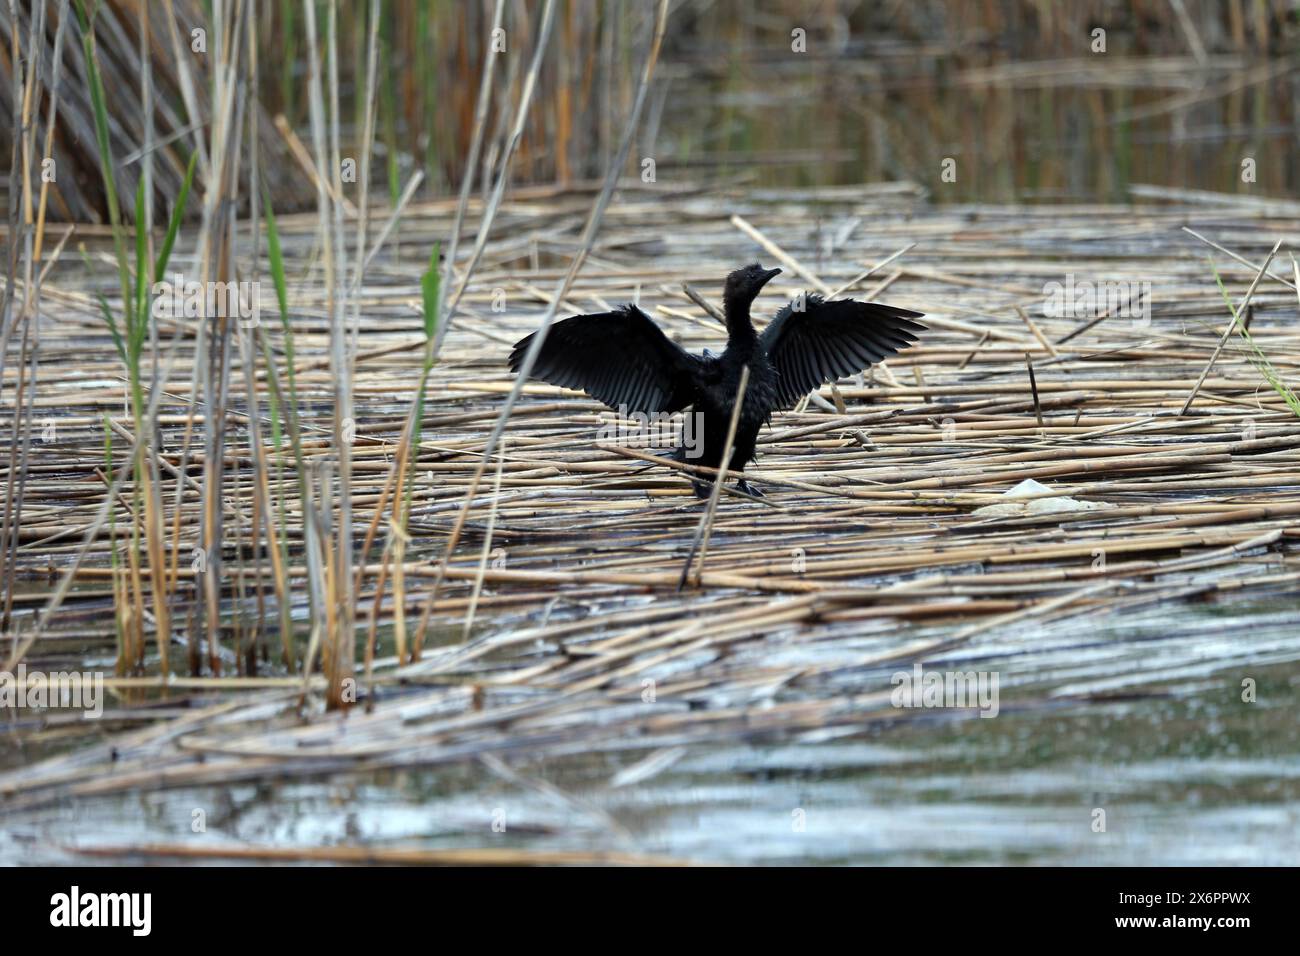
{"points": [[828, 340], [620, 358]]}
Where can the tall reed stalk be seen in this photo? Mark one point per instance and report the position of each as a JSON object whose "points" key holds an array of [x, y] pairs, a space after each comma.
{"points": [[130, 335]]}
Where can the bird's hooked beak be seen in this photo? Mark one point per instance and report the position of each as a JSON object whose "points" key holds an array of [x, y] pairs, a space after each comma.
{"points": [[770, 274]]}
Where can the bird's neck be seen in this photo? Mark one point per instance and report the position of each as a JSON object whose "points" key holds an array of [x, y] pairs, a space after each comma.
{"points": [[740, 330]]}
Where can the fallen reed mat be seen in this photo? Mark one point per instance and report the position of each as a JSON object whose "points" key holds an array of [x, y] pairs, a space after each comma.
{"points": [[558, 629]]}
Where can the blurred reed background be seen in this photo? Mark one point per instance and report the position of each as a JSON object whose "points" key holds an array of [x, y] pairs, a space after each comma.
{"points": [[1011, 90]]}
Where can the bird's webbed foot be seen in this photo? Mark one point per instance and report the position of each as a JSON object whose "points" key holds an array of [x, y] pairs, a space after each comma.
{"points": [[749, 489]]}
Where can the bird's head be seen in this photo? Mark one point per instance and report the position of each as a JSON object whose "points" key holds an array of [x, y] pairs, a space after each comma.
{"points": [[744, 284]]}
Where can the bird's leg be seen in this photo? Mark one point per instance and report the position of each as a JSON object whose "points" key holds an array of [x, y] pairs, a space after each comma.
{"points": [[748, 489], [701, 488]]}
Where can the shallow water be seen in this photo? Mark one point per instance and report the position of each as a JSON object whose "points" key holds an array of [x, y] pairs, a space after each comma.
{"points": [[1069, 132], [1185, 771]]}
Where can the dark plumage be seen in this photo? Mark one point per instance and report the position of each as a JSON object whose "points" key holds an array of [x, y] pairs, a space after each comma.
{"points": [[623, 359]]}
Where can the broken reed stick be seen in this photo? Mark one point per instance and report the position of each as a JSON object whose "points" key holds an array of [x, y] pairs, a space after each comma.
{"points": [[1227, 332], [704, 529], [1033, 387]]}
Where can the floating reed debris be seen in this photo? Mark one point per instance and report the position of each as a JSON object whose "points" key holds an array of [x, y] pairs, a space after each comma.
{"points": [[873, 537]]}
